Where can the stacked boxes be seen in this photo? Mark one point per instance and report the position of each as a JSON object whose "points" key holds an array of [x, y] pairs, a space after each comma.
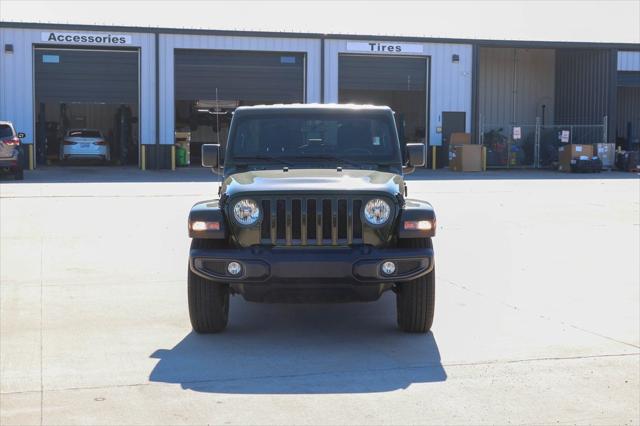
{"points": [[569, 153]]}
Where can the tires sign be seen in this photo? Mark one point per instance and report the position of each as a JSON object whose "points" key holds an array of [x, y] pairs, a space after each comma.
{"points": [[380, 47]]}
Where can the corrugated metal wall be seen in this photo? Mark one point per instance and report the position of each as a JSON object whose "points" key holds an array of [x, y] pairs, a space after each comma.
{"points": [[450, 82], [16, 79], [170, 42], [584, 84], [628, 61], [628, 110], [513, 84]]}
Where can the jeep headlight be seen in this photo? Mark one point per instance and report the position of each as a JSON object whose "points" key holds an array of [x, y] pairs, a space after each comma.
{"points": [[377, 211], [246, 212]]}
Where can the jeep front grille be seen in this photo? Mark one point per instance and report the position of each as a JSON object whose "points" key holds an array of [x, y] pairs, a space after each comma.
{"points": [[318, 221]]}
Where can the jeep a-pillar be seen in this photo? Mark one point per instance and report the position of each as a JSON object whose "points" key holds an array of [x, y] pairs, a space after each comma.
{"points": [[312, 208]]}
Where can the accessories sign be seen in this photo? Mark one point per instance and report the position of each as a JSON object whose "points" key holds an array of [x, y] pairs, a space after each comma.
{"points": [[376, 47], [85, 38]]}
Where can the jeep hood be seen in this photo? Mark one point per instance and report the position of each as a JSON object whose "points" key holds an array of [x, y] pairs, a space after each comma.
{"points": [[313, 180]]}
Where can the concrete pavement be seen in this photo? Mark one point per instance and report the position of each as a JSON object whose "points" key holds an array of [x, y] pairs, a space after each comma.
{"points": [[537, 315]]}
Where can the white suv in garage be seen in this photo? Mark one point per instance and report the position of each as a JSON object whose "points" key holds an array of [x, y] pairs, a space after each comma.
{"points": [[84, 143]]}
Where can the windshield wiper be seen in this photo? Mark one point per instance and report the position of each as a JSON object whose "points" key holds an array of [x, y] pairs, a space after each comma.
{"points": [[265, 158]]}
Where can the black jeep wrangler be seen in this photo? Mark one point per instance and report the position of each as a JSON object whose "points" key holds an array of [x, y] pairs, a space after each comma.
{"points": [[312, 208]]}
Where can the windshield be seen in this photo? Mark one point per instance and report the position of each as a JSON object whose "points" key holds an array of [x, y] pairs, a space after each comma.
{"points": [[5, 131], [85, 133], [353, 139]]}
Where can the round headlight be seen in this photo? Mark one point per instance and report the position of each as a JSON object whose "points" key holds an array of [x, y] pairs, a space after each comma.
{"points": [[246, 212], [377, 211]]}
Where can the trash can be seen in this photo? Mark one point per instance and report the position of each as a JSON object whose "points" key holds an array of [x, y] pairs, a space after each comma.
{"points": [[181, 157]]}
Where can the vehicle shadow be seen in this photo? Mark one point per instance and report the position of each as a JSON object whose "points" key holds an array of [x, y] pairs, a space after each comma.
{"points": [[303, 349]]}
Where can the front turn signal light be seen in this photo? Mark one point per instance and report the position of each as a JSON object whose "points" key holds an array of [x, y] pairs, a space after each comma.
{"points": [[200, 226], [418, 225]]}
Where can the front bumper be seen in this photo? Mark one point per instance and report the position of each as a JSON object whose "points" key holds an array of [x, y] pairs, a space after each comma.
{"points": [[349, 265], [85, 156]]}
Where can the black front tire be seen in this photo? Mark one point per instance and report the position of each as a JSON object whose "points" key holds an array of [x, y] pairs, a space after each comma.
{"points": [[208, 300], [415, 300]]}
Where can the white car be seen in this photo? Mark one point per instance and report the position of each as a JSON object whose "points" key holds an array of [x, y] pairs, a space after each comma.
{"points": [[84, 143]]}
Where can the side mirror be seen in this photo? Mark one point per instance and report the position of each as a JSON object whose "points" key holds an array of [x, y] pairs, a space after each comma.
{"points": [[211, 155], [21, 135], [417, 152]]}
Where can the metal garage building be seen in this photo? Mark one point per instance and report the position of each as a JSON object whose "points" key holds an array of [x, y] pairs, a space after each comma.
{"points": [[145, 86]]}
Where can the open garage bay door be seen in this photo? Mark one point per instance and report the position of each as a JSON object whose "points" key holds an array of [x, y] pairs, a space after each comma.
{"points": [[245, 77], [395, 81], [95, 89], [210, 84]]}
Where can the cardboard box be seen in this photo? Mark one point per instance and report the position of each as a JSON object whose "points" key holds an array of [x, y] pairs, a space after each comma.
{"points": [[467, 158], [607, 153], [571, 152], [459, 138]]}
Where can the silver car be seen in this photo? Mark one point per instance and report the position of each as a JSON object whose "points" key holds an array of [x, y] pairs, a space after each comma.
{"points": [[11, 154], [84, 143]]}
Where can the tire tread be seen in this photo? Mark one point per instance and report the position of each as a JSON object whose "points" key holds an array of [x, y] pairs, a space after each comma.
{"points": [[208, 301], [415, 300]]}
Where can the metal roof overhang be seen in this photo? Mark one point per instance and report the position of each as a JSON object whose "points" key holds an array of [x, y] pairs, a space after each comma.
{"points": [[479, 42]]}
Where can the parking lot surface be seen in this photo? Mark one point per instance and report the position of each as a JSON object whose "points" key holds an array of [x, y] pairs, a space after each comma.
{"points": [[537, 311]]}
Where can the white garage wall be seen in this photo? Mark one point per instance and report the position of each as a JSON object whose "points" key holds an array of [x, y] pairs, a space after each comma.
{"points": [[17, 79], [450, 82], [170, 42]]}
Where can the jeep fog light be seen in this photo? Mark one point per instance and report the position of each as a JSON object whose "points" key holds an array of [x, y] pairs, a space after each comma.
{"points": [[377, 211], [388, 268], [234, 268]]}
